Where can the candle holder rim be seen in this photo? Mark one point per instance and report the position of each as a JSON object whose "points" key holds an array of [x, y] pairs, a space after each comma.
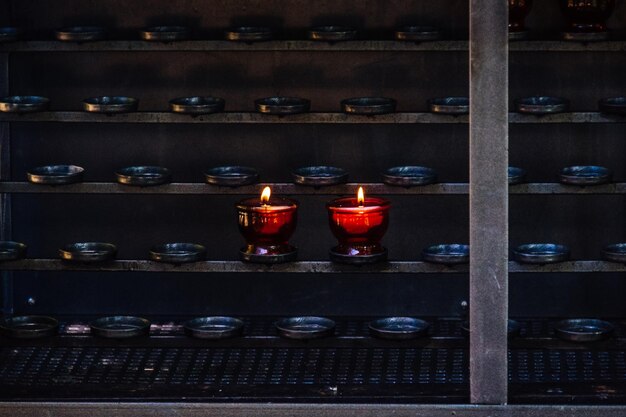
{"points": [[292, 204], [383, 204]]}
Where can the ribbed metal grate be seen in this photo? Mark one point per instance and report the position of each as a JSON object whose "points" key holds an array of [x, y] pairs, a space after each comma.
{"points": [[115, 366]]}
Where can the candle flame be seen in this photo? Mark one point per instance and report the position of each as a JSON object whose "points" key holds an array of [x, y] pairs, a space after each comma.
{"points": [[265, 195], [361, 196]]}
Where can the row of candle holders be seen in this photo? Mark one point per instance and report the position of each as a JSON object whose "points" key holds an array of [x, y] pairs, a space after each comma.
{"points": [[297, 328], [198, 105], [586, 21], [313, 176], [267, 242]]}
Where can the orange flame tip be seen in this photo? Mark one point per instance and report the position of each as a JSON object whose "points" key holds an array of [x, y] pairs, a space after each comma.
{"points": [[265, 195]]}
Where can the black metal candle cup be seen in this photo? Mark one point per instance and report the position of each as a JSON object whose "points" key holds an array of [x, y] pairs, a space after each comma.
{"points": [[266, 224], [417, 33]]}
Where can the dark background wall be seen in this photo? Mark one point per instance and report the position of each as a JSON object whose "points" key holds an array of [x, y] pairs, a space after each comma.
{"points": [[135, 223]]}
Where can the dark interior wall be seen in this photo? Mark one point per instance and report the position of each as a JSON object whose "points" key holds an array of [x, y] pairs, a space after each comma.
{"points": [[136, 222]]}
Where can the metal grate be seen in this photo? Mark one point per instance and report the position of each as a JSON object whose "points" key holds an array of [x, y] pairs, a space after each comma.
{"points": [[53, 366]]}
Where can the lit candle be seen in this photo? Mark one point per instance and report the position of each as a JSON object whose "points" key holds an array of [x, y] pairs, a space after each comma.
{"points": [[359, 224], [266, 224]]}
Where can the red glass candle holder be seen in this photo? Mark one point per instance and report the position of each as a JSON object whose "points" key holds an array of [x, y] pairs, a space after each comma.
{"points": [[586, 19], [359, 228], [266, 227], [518, 10]]}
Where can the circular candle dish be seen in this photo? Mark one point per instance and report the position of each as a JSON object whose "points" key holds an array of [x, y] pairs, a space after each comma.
{"points": [[29, 327], [165, 33], [288, 254], [214, 328], [249, 34], [585, 175], [11, 251], [518, 35], [120, 327], [332, 33], [399, 328], [55, 174], [110, 104], [449, 105], [516, 175], [417, 33], [615, 252], [585, 36], [197, 105], [613, 105], [231, 176], [143, 176], [583, 330], [407, 176], [513, 328], [319, 176], [307, 327], [23, 104], [339, 255], [368, 105], [539, 105], [282, 105], [447, 254], [8, 34], [178, 253], [80, 34], [541, 253], [88, 252]]}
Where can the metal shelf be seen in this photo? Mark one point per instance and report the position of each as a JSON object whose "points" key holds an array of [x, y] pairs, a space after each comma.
{"points": [[305, 118], [303, 45], [319, 267], [293, 189]]}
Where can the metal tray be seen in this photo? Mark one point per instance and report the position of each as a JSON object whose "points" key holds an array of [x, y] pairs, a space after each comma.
{"points": [[518, 35], [216, 327], [8, 34], [406, 176], [332, 33], [307, 327], [178, 253], [249, 34], [585, 36], [615, 252], [282, 105], [368, 105], [11, 251], [585, 175], [289, 256], [80, 34], [513, 328], [29, 327], [447, 254], [539, 105], [541, 253], [399, 328], [55, 174], [231, 176], [110, 104], [120, 327], [143, 176], [319, 176], [449, 105], [613, 105], [23, 104], [197, 105], [516, 175], [417, 33], [583, 330], [342, 258], [88, 252], [165, 33]]}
